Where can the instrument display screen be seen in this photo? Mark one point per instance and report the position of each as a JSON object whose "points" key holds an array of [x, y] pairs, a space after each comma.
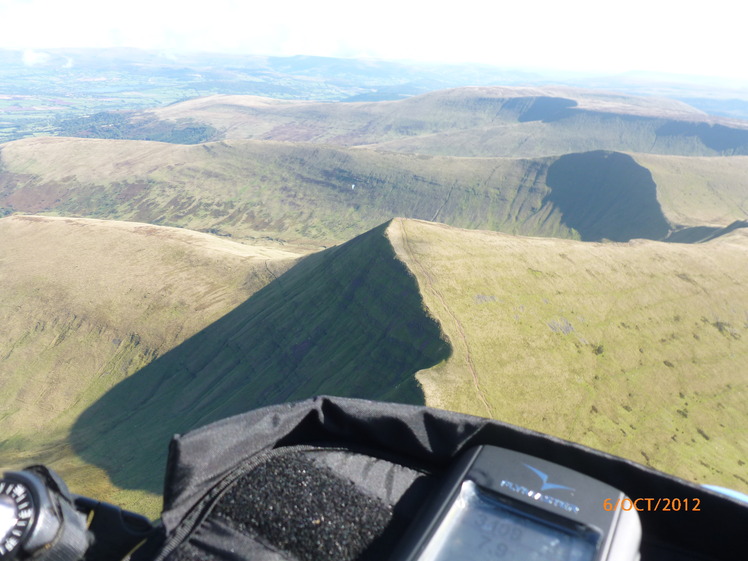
{"points": [[481, 528]]}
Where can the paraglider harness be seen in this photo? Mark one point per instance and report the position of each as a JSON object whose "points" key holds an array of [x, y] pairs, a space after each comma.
{"points": [[345, 479]]}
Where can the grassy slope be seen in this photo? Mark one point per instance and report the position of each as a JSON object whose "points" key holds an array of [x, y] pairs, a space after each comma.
{"points": [[579, 132], [700, 191], [565, 318], [638, 349], [348, 321], [478, 121], [303, 192], [86, 303]]}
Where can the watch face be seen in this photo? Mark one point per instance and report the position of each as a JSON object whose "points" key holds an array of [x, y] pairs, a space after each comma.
{"points": [[16, 515]]}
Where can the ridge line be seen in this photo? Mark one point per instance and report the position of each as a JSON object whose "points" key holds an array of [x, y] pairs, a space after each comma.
{"points": [[458, 324]]}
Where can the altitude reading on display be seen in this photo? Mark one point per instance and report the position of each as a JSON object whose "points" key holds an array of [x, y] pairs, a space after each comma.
{"points": [[480, 528], [496, 504]]}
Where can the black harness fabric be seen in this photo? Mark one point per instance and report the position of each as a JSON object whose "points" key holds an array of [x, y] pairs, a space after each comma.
{"points": [[346, 465]]}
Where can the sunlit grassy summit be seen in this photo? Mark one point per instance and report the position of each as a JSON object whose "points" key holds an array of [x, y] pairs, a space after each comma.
{"points": [[638, 349]]}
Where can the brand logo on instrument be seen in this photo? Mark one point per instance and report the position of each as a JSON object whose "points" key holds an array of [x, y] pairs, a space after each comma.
{"points": [[544, 479], [538, 495]]}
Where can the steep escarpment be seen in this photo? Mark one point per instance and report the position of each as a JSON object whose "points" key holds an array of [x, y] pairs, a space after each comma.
{"points": [[346, 321], [604, 343], [477, 122], [318, 194], [321, 195]]}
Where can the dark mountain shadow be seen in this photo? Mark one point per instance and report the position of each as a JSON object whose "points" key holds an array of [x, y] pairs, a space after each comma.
{"points": [[702, 234], [347, 321], [606, 195], [727, 141], [543, 108], [548, 110]]}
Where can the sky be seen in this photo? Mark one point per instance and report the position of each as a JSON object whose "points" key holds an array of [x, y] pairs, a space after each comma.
{"points": [[589, 36]]}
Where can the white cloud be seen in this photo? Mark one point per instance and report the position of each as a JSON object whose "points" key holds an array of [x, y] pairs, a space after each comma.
{"points": [[665, 35], [34, 58]]}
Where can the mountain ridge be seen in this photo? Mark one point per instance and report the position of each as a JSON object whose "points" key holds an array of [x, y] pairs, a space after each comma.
{"points": [[478, 121], [556, 335], [319, 195], [347, 320], [567, 318]]}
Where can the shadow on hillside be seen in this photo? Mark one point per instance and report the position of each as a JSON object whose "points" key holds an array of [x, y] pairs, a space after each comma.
{"points": [[720, 138], [543, 108], [347, 321], [606, 195], [703, 234]]}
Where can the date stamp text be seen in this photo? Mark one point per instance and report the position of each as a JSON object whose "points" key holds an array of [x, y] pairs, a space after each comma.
{"points": [[650, 504]]}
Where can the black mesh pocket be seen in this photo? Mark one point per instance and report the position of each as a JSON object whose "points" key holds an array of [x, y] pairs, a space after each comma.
{"points": [[293, 508]]}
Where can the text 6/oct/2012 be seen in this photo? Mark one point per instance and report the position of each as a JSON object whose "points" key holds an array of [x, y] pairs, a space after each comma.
{"points": [[650, 504]]}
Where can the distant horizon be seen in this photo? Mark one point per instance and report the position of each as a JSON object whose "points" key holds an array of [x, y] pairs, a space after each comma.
{"points": [[664, 37], [41, 56]]}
